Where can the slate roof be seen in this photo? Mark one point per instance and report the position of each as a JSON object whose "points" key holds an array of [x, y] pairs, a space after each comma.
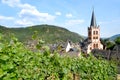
{"points": [[84, 45], [93, 20]]}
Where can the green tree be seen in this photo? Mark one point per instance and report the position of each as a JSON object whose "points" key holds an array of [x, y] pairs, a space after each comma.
{"points": [[117, 40], [104, 41], [110, 45]]}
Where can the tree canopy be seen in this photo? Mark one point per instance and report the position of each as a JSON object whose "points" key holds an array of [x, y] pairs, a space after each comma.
{"points": [[117, 40]]}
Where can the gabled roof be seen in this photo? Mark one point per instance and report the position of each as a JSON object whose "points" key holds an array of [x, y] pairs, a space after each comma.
{"points": [[93, 20]]}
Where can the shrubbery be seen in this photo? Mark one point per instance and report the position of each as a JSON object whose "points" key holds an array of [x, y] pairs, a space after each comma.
{"points": [[19, 63]]}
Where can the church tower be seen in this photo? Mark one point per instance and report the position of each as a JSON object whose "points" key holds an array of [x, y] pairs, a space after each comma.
{"points": [[94, 35]]}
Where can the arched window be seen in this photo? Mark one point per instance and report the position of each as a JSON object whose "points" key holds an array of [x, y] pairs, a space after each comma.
{"points": [[89, 33], [96, 37], [96, 45], [93, 37], [96, 32], [89, 37]]}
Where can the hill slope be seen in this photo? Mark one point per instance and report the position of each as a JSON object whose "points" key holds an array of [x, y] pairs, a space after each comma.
{"points": [[114, 37], [48, 33]]}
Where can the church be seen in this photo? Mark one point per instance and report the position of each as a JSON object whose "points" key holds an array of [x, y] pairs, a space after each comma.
{"points": [[93, 40]]}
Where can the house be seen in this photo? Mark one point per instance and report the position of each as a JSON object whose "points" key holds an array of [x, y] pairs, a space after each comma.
{"points": [[72, 49], [67, 48]]}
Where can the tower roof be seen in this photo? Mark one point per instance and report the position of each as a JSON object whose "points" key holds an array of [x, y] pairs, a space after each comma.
{"points": [[93, 20]]}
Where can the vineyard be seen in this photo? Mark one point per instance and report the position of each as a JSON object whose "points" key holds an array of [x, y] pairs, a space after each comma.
{"points": [[19, 63]]}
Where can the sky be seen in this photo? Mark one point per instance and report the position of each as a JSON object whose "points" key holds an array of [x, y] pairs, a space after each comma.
{"points": [[74, 15]]}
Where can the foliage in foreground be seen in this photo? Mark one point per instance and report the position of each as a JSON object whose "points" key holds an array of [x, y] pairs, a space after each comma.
{"points": [[19, 63]]}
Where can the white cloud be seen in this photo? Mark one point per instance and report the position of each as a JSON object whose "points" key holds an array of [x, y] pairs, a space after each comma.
{"points": [[32, 13], [6, 18], [29, 13], [69, 15], [58, 13], [74, 22], [23, 22], [26, 6], [11, 3]]}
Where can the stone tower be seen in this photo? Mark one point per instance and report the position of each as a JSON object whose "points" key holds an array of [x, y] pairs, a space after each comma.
{"points": [[94, 35]]}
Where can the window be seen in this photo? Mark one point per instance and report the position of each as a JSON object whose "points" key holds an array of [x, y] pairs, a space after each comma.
{"points": [[96, 32], [96, 37], [89, 37], [96, 45], [89, 33]]}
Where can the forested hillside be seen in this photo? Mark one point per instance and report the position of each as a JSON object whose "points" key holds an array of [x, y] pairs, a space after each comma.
{"points": [[48, 33]]}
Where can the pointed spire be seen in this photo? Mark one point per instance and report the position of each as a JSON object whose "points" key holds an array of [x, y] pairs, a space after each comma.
{"points": [[93, 20]]}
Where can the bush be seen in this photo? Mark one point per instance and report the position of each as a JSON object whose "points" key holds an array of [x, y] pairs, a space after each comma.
{"points": [[19, 63]]}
